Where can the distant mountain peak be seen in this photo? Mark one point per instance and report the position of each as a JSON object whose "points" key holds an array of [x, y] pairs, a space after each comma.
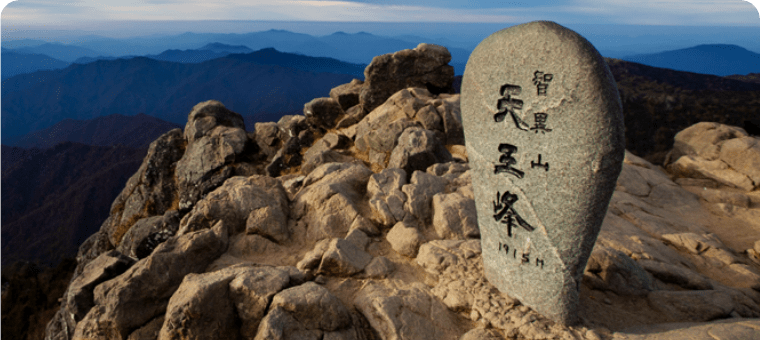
{"points": [[715, 59], [220, 47], [720, 46]]}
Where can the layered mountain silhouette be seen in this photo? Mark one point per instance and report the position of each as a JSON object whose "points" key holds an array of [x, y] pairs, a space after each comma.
{"points": [[59, 51], [717, 59], [352, 47], [254, 84], [207, 52], [14, 63]]}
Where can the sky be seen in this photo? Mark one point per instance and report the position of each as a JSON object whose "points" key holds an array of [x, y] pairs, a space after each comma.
{"points": [[616, 26], [638, 12]]}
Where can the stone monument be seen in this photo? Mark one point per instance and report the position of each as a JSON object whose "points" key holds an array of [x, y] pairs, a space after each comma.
{"points": [[544, 132]]}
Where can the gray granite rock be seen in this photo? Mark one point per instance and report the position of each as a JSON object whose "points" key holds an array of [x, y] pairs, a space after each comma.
{"points": [[544, 130]]}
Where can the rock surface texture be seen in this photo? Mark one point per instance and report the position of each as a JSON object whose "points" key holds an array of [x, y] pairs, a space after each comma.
{"points": [[357, 249], [545, 142]]}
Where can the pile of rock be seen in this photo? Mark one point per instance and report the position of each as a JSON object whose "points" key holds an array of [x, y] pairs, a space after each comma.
{"points": [[357, 221]]}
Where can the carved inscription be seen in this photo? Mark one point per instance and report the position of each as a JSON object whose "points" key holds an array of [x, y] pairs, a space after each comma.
{"points": [[519, 255], [541, 81], [503, 207], [506, 214]]}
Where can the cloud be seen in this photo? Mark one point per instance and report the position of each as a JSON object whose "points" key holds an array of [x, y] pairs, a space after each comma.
{"points": [[655, 12]]}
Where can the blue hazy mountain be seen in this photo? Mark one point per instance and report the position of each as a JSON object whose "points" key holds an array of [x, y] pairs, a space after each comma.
{"points": [[270, 56], [259, 83], [13, 44], [224, 48], [58, 51], [717, 59], [357, 48], [207, 52], [14, 63]]}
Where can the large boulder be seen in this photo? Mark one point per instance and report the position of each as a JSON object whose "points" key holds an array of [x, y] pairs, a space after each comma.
{"points": [[79, 297], [147, 233], [722, 153], [142, 293], [385, 196], [425, 66], [329, 201], [151, 191], [215, 137], [417, 149], [238, 200], [323, 113], [378, 134], [347, 95], [308, 311]]}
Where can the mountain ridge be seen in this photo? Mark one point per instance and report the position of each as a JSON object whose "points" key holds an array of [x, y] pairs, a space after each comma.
{"points": [[164, 90], [717, 59]]}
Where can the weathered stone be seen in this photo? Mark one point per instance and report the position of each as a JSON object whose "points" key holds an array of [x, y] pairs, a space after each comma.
{"points": [[269, 222], [327, 203], [201, 308], [313, 257], [322, 152], [405, 239], [420, 192], [202, 167], [245, 246], [609, 269], [205, 116], [79, 296], [702, 140], [234, 202], [252, 291], [143, 291], [743, 155], [323, 112], [454, 216], [482, 334], [715, 330], [451, 117], [417, 149], [152, 190], [147, 233], [424, 66], [401, 105], [435, 255], [405, 314], [343, 258], [693, 305], [347, 95], [379, 268], [386, 198], [430, 118], [716, 170], [95, 245], [267, 137], [683, 277], [308, 311], [541, 190], [149, 331]]}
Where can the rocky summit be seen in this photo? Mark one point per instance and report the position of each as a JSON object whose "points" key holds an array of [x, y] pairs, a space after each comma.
{"points": [[357, 220]]}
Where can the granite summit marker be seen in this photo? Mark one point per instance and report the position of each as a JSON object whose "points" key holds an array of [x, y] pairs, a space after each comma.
{"points": [[544, 131]]}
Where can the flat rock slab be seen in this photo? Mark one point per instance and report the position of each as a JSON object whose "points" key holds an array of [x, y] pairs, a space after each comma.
{"points": [[544, 131], [718, 330]]}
